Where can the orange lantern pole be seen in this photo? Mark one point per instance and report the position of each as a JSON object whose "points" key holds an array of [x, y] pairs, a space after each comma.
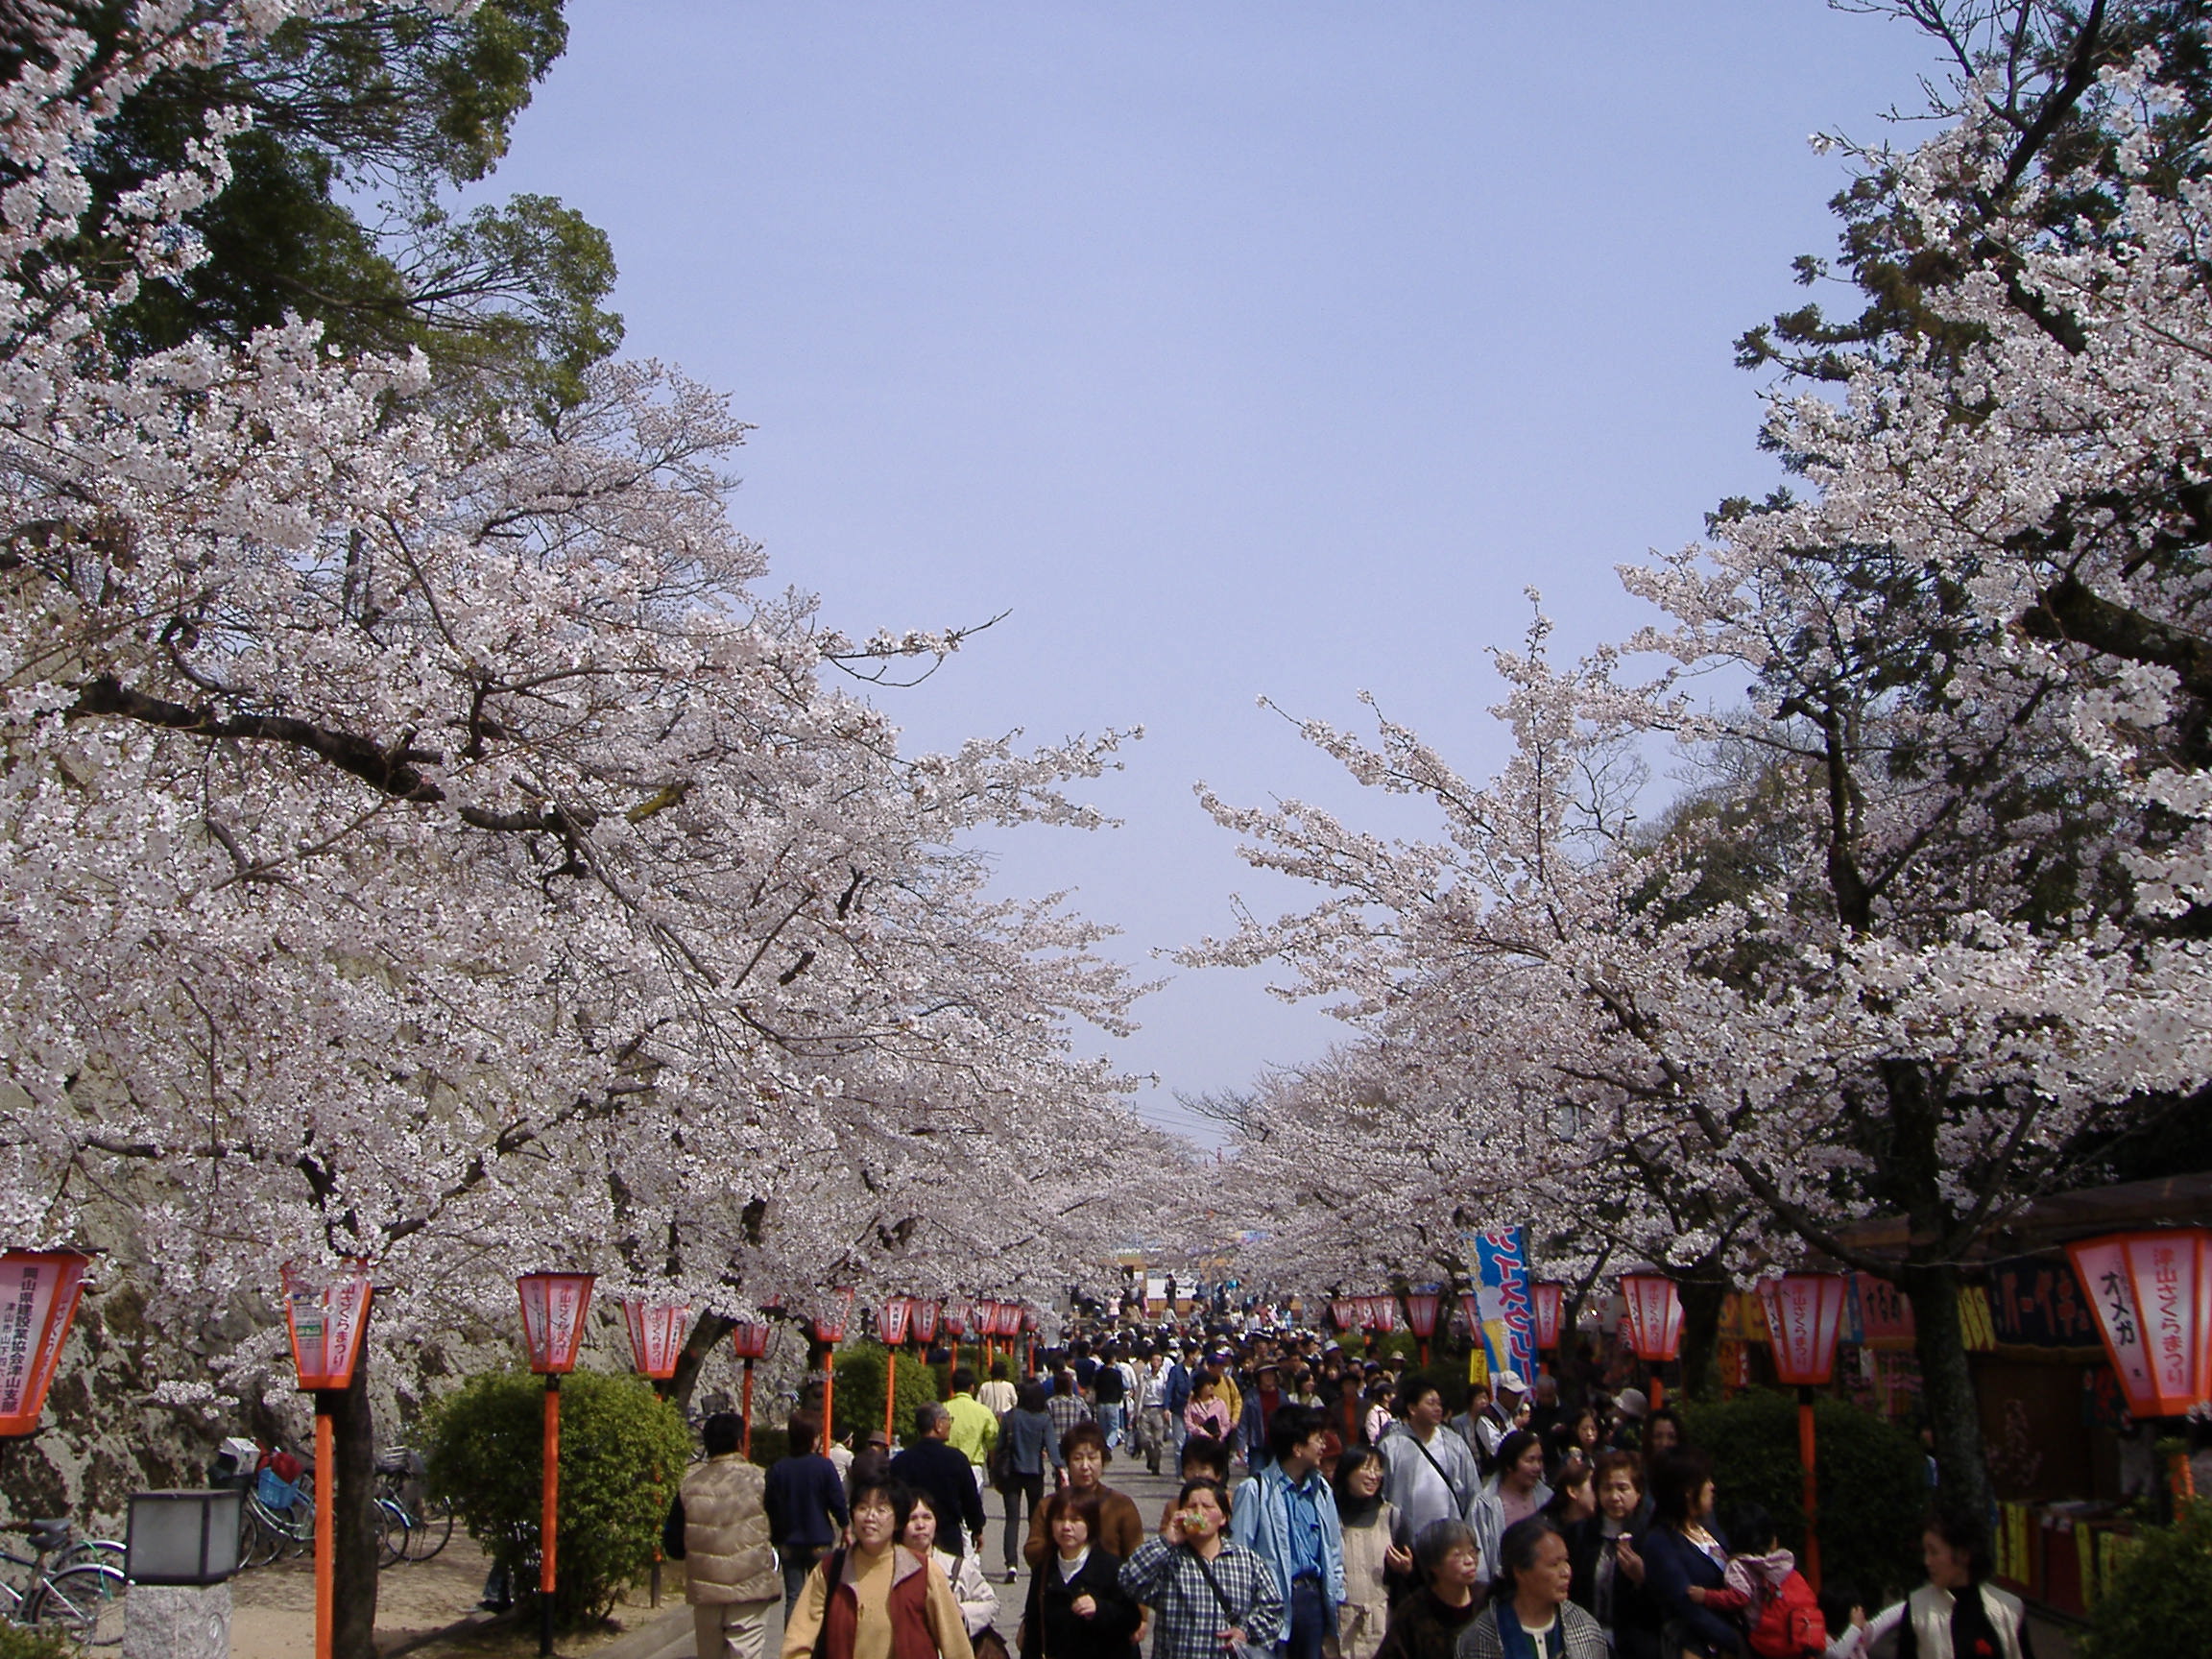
{"points": [[326, 1320], [956, 1320], [553, 1308], [656, 1344], [892, 1319], [1804, 1322], [829, 1331], [1654, 1324], [2152, 1293], [1546, 1299], [928, 1315], [751, 1342], [1421, 1306]]}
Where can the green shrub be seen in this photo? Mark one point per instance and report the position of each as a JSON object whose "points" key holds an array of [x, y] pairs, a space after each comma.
{"points": [[623, 1451], [17, 1643], [2159, 1599], [859, 1401], [769, 1443], [1874, 1490]]}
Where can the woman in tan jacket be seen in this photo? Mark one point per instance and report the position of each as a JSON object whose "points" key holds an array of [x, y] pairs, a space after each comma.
{"points": [[877, 1599]]}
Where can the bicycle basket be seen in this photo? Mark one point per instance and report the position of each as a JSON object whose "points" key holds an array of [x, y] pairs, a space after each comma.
{"points": [[273, 1490]]}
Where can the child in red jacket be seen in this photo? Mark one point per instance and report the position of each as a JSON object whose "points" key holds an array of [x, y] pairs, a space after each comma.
{"points": [[1780, 1610]]}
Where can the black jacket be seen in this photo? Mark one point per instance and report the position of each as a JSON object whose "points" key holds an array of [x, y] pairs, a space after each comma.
{"points": [[1637, 1617], [934, 1467], [1422, 1627], [1049, 1627]]}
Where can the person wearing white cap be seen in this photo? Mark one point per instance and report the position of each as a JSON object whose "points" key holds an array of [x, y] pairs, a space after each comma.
{"points": [[1497, 1422]]}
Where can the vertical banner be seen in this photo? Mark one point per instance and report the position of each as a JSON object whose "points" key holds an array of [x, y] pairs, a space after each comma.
{"points": [[1508, 1314]]}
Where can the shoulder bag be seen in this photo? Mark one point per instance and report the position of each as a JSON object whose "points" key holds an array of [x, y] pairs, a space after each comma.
{"points": [[1243, 1649]]}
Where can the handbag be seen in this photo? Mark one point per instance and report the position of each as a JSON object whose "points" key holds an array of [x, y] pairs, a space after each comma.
{"points": [[1242, 1649]]}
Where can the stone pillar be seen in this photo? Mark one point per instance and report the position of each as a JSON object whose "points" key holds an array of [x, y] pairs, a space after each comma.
{"points": [[177, 1621]]}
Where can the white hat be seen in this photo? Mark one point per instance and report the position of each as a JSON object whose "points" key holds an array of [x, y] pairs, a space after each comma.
{"points": [[1509, 1383]]}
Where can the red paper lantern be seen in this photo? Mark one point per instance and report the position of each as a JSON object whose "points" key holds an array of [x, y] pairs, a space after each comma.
{"points": [[1421, 1313], [656, 1332], [1471, 1311], [830, 1327], [1804, 1321], [1027, 1320], [1547, 1297], [1654, 1315], [325, 1317], [751, 1340], [892, 1317], [1386, 1314], [553, 1308], [2153, 1293], [925, 1317], [1343, 1311], [956, 1321], [1006, 1318]]}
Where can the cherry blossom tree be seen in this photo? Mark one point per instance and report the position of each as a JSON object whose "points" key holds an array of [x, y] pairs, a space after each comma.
{"points": [[425, 843], [1932, 930]]}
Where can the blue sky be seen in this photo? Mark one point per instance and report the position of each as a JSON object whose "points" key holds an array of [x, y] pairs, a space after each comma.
{"points": [[1232, 348]]}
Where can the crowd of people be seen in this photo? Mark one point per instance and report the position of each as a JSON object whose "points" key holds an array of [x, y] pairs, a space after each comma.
{"points": [[1326, 1508]]}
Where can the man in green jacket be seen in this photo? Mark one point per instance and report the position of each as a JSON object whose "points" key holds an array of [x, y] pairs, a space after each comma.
{"points": [[974, 1425]]}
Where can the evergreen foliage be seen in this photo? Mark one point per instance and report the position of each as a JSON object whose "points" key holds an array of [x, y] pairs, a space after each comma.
{"points": [[623, 1453], [1873, 1484]]}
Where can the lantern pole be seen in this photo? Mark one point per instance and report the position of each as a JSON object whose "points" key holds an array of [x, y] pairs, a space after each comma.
{"points": [[548, 1526], [748, 1409], [325, 1522], [1805, 1452]]}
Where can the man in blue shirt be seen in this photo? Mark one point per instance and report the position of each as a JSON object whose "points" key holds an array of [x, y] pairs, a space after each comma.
{"points": [[1286, 1515], [805, 1503]]}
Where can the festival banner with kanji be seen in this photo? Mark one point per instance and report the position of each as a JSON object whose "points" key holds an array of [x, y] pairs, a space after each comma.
{"points": [[1509, 1317]]}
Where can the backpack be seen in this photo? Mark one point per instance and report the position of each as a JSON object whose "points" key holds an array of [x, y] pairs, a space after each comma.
{"points": [[1790, 1626]]}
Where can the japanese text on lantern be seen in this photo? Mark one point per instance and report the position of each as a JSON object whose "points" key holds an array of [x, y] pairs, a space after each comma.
{"points": [[39, 1293]]}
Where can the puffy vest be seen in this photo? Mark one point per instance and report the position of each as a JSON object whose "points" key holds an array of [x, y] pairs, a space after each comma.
{"points": [[1930, 1610], [727, 1556]]}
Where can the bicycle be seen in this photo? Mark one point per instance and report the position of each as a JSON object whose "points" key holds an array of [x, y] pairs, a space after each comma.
{"points": [[277, 1507], [80, 1597], [277, 1518], [410, 1527]]}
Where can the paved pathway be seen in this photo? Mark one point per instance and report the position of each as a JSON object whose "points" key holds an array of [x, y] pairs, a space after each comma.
{"points": [[669, 1636]]}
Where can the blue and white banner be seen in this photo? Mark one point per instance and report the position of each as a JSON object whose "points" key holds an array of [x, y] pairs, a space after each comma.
{"points": [[1509, 1317]]}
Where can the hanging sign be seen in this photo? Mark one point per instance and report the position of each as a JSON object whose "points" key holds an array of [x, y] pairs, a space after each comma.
{"points": [[1654, 1315], [1804, 1320], [325, 1319], [39, 1294], [656, 1332], [553, 1305]]}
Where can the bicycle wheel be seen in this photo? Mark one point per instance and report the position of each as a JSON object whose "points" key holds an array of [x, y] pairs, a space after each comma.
{"points": [[298, 1525], [83, 1603], [258, 1541], [92, 1551], [389, 1522], [433, 1526]]}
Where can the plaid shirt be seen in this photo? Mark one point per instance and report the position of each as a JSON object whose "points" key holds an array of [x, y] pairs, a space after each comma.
{"points": [[1067, 1410], [1169, 1578]]}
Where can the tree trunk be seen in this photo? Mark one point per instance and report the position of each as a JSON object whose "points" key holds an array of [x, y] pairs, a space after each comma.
{"points": [[350, 1488], [1947, 1386], [705, 1332], [1701, 1301]]}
